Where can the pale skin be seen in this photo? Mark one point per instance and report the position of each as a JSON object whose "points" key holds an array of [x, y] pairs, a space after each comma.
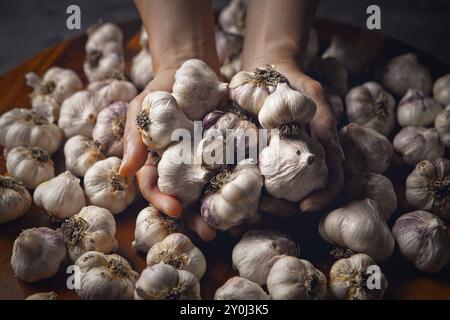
{"points": [[277, 34]]}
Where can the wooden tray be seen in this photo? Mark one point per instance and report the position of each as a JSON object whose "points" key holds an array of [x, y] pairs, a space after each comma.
{"points": [[405, 281]]}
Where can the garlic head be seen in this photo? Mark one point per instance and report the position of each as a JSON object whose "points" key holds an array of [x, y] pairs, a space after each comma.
{"points": [[237, 288], [141, 72], [101, 34], [441, 90], [442, 125], [113, 90], [232, 17], [81, 153], [105, 62], [417, 109], [16, 200]]}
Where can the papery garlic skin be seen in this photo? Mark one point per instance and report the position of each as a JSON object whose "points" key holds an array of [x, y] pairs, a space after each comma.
{"points": [[291, 278], [16, 200], [423, 239], [428, 187], [141, 72], [81, 153], [361, 227], [99, 35], [37, 254], [353, 58], [415, 144], [43, 296], [61, 197], [405, 72], [331, 74], [197, 89], [349, 279], [371, 106], [232, 17], [105, 277], [31, 166], [92, 229], [254, 255], [113, 90], [23, 127], [441, 90], [178, 251], [417, 109], [164, 282], [442, 125], [105, 62], [237, 288], [105, 188]]}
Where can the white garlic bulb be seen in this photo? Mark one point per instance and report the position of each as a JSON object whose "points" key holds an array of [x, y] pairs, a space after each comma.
{"points": [[237, 288], [141, 72], [254, 255], [353, 58], [349, 279], [113, 90], [159, 118], [293, 168], [405, 72], [105, 62], [228, 46], [37, 254], [105, 188], [16, 200], [423, 239], [101, 34], [331, 74], [360, 227], [81, 153], [178, 251], [105, 277], [152, 227], [415, 144], [31, 166], [92, 229], [365, 150], [164, 282], [428, 187], [441, 90], [197, 89], [229, 70], [371, 106], [23, 127], [43, 296], [232, 17], [373, 186], [417, 109], [442, 125]]}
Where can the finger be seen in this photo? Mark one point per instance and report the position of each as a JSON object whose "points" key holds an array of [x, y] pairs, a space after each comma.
{"points": [[324, 130], [277, 207], [195, 222]]}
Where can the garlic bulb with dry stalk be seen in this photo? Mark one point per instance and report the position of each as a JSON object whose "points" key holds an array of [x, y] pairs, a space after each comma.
{"points": [[16, 200], [105, 277], [43, 296], [255, 254], [371, 106], [100, 34], [331, 74], [423, 239], [353, 58], [81, 153], [441, 90], [350, 279], [30, 165], [237, 288], [197, 89], [428, 187], [24, 127], [415, 144], [105, 62], [104, 186], [232, 17], [92, 229], [141, 72], [37, 254], [361, 227], [442, 125], [164, 282], [113, 90], [417, 109]]}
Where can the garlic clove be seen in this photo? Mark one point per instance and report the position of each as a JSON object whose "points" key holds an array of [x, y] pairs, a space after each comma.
{"points": [[331, 74], [16, 200], [81, 153], [43, 296], [100, 34], [417, 109], [141, 72], [232, 17], [441, 90], [237, 288], [353, 58], [442, 125]]}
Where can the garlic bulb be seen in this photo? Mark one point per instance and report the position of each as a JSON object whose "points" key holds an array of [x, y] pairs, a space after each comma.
{"points": [[31, 166], [159, 118], [23, 127], [441, 90], [141, 72], [373, 186], [164, 282], [349, 279], [110, 127], [331, 74], [291, 278], [79, 112], [336, 105], [428, 187], [81, 153], [228, 46], [229, 70], [92, 229], [371, 106], [417, 109], [152, 227], [237, 288], [365, 150], [113, 90], [405, 72], [99, 35], [232, 196], [105, 62], [254, 255], [423, 239], [105, 277], [442, 125], [415, 144], [353, 58], [293, 168], [43, 296], [232, 17], [197, 89], [16, 200], [360, 227], [178, 251], [37, 254], [106, 188]]}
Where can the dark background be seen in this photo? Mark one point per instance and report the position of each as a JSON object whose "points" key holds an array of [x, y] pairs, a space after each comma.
{"points": [[28, 26]]}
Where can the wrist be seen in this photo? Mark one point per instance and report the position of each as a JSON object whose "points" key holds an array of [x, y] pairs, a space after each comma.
{"points": [[281, 57]]}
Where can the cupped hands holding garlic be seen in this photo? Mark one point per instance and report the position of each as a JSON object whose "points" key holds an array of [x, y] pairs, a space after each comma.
{"points": [[105, 62], [16, 200], [113, 90], [81, 153], [353, 58], [100, 34], [441, 90], [237, 288], [417, 109], [442, 125]]}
